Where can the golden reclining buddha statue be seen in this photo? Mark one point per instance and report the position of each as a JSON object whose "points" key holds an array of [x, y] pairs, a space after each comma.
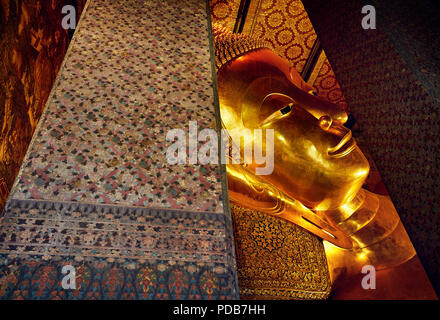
{"points": [[318, 169]]}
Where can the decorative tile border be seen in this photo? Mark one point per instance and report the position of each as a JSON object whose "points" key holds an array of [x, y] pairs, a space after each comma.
{"points": [[113, 232], [37, 238]]}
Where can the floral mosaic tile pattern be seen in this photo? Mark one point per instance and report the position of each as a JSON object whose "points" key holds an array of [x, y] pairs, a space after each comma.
{"points": [[95, 190], [126, 83]]}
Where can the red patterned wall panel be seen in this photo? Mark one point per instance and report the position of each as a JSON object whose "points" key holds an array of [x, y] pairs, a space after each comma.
{"points": [[285, 25], [327, 86], [224, 12]]}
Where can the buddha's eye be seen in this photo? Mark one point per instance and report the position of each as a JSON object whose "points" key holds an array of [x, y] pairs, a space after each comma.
{"points": [[275, 105], [286, 109], [278, 114]]}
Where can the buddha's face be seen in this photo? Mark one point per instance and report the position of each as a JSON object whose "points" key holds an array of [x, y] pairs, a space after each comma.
{"points": [[316, 160]]}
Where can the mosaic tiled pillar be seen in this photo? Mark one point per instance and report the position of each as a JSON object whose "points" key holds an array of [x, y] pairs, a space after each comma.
{"points": [[95, 190]]}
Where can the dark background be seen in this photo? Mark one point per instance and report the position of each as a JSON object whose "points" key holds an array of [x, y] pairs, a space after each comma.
{"points": [[391, 80]]}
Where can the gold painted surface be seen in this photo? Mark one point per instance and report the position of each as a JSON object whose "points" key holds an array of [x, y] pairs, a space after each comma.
{"points": [[276, 259], [319, 170]]}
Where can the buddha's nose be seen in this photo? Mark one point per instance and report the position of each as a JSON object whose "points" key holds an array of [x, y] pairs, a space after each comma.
{"points": [[341, 117], [325, 122]]}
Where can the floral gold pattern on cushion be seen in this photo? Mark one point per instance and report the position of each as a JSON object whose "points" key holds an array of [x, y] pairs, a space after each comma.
{"points": [[267, 235], [277, 259]]}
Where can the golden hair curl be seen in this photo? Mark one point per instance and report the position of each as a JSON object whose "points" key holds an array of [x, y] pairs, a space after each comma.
{"points": [[229, 46]]}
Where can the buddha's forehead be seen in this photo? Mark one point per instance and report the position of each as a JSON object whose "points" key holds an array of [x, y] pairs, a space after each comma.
{"points": [[264, 83]]}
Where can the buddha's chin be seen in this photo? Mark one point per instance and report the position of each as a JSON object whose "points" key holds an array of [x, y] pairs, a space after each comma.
{"points": [[332, 195]]}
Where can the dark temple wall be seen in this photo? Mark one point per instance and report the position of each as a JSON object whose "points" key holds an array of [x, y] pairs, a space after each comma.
{"points": [[32, 47], [390, 78]]}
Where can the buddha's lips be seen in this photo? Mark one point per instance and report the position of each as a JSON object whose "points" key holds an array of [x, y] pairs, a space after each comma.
{"points": [[344, 147]]}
